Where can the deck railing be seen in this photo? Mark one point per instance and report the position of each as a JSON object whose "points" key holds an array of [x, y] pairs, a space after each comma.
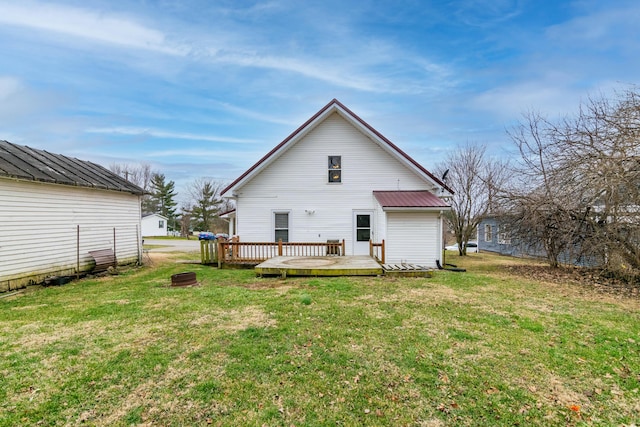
{"points": [[236, 252], [376, 251]]}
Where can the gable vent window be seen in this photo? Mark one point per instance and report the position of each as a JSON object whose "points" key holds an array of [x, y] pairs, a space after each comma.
{"points": [[335, 169], [282, 226]]}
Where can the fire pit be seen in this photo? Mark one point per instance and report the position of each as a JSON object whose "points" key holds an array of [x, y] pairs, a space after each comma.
{"points": [[184, 279]]}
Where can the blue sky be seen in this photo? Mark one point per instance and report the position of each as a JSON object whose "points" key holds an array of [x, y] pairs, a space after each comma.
{"points": [[204, 88]]}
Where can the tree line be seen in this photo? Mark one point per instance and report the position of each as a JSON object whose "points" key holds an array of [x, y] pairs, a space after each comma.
{"points": [[200, 209], [572, 192]]}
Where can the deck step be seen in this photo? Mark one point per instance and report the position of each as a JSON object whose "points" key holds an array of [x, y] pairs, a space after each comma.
{"points": [[407, 270]]}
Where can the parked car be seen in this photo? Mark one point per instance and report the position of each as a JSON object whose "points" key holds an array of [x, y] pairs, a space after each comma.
{"points": [[472, 247], [206, 235]]}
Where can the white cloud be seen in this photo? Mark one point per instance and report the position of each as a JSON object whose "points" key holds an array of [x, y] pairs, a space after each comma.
{"points": [[8, 87], [487, 13], [254, 115], [367, 65], [86, 24], [608, 28], [20, 103], [157, 133]]}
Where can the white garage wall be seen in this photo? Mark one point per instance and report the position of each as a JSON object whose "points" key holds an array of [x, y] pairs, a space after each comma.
{"points": [[413, 237], [39, 229]]}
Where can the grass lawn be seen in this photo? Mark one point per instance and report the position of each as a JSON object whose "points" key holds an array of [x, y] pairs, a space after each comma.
{"points": [[485, 347]]}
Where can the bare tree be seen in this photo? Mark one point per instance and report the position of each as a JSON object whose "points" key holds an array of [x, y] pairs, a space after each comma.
{"points": [[539, 207], [185, 221], [579, 183], [602, 147], [138, 174], [475, 178]]}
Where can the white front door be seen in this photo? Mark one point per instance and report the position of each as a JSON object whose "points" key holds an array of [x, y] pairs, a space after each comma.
{"points": [[362, 231]]}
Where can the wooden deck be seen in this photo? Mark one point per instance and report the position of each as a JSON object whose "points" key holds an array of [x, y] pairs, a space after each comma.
{"points": [[320, 266]]}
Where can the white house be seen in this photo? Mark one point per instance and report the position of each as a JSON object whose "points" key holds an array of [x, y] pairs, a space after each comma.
{"points": [[55, 209], [153, 225], [334, 178]]}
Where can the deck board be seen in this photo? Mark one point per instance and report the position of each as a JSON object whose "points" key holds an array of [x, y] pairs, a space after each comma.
{"points": [[320, 266]]}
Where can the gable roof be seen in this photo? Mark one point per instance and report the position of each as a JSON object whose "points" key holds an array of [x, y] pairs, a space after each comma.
{"points": [[333, 106], [30, 164], [409, 199], [157, 215]]}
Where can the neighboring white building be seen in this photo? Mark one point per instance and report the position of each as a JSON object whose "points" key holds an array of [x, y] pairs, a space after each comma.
{"points": [[153, 225], [55, 209], [336, 178]]}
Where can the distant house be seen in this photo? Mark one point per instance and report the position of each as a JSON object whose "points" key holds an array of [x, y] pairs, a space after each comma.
{"points": [[494, 236], [153, 225], [54, 209], [336, 178]]}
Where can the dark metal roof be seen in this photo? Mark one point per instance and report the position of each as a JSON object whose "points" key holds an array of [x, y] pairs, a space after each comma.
{"points": [[26, 163], [409, 199]]}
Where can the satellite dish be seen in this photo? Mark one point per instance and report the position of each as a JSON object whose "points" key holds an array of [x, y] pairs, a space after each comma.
{"points": [[444, 175]]}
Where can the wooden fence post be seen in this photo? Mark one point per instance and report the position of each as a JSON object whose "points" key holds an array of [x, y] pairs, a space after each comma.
{"points": [[279, 247], [383, 251], [343, 246], [78, 253], [115, 256]]}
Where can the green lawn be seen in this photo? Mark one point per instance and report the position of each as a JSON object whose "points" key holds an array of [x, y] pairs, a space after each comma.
{"points": [[476, 348]]}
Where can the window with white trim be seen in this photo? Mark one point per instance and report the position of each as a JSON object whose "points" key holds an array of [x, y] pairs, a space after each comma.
{"points": [[504, 238], [488, 233], [281, 226]]}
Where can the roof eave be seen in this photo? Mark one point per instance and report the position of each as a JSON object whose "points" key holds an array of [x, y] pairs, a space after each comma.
{"points": [[268, 158], [334, 106], [416, 208]]}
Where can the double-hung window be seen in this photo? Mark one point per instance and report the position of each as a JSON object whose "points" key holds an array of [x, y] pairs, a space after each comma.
{"points": [[488, 233], [281, 226]]}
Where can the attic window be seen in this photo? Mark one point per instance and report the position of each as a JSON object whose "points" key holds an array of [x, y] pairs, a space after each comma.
{"points": [[335, 169]]}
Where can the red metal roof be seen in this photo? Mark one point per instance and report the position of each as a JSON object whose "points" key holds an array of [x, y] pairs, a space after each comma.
{"points": [[335, 102], [409, 199]]}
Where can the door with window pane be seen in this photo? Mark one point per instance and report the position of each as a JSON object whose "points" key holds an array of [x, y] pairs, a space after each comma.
{"points": [[281, 223], [362, 231]]}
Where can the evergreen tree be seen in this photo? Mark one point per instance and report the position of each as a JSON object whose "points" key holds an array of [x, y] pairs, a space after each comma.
{"points": [[206, 202], [162, 198]]}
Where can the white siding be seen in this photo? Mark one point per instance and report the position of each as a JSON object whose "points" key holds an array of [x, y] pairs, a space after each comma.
{"points": [[39, 229], [150, 226], [413, 237], [297, 181]]}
